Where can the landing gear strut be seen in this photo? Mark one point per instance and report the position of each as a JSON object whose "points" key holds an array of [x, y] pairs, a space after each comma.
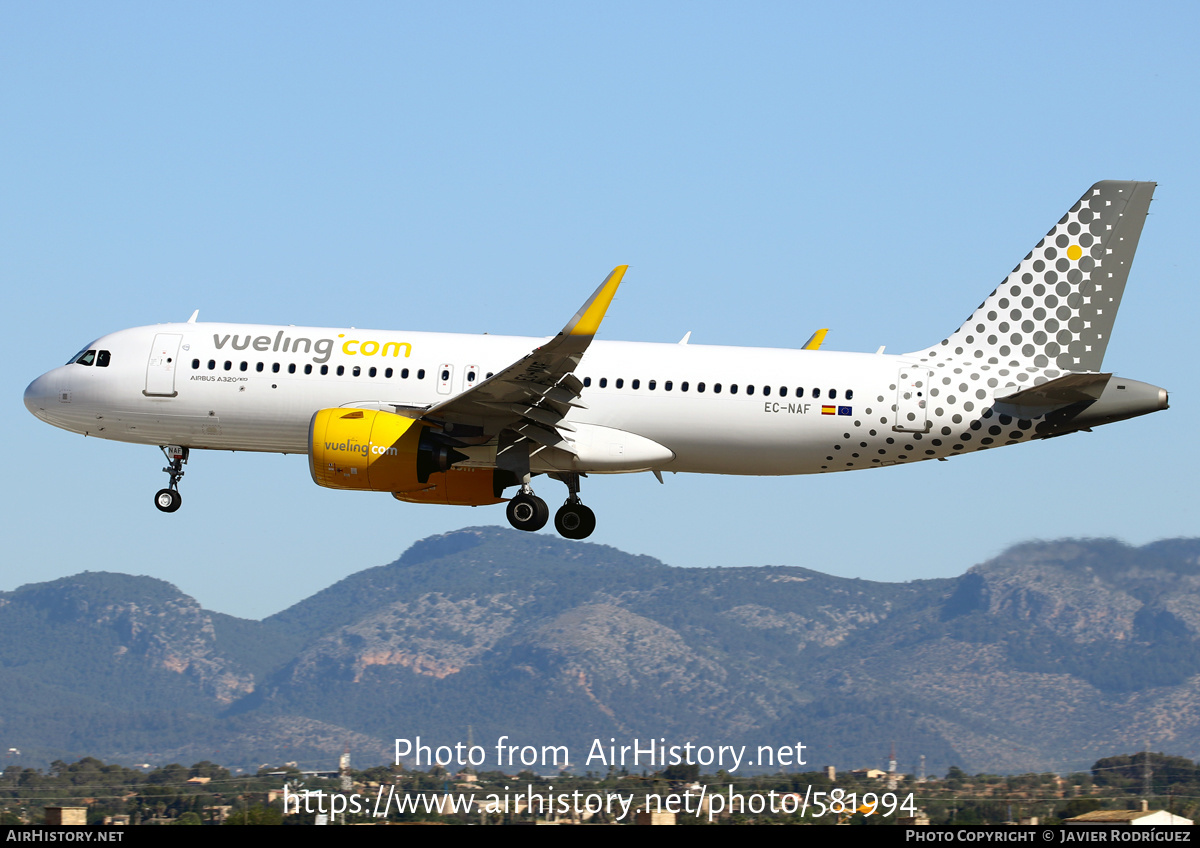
{"points": [[169, 499], [573, 520], [526, 511]]}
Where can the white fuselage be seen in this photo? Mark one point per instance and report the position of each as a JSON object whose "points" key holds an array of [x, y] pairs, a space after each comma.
{"points": [[723, 410]]}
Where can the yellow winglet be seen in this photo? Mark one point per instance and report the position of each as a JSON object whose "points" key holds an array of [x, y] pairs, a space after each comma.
{"points": [[587, 320], [815, 340]]}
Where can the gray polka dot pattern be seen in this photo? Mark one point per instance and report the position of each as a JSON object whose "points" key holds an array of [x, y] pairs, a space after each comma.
{"points": [[1051, 316], [1056, 309]]}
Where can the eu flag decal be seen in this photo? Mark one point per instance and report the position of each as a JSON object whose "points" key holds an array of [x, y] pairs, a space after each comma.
{"points": [[845, 410]]}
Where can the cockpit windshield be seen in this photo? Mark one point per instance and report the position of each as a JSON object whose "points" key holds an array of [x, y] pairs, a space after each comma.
{"points": [[91, 356]]}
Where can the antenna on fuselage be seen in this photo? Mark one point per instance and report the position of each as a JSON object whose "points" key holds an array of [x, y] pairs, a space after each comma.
{"points": [[195, 315]]}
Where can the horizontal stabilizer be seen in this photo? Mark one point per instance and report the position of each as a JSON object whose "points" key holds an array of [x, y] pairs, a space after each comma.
{"points": [[1063, 391]]}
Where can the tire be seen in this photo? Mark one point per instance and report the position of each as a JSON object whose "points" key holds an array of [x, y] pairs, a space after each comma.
{"points": [[574, 521], [167, 500], [528, 513]]}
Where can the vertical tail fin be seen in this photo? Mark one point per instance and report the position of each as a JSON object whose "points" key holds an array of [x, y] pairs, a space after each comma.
{"points": [[1056, 309]]}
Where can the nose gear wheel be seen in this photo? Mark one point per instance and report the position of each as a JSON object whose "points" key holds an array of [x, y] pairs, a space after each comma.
{"points": [[169, 499]]}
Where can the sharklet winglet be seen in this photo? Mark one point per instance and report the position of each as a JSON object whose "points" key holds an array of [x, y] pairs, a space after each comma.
{"points": [[816, 339], [587, 320]]}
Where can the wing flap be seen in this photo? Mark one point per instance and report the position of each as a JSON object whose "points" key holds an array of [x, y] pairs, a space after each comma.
{"points": [[549, 438]]}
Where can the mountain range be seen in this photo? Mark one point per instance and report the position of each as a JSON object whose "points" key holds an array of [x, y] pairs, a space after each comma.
{"points": [[1045, 658]]}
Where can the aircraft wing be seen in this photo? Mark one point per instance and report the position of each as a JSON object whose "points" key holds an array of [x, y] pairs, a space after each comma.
{"points": [[532, 395]]}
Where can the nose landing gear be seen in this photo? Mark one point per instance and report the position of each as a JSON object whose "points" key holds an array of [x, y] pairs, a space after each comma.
{"points": [[169, 499]]}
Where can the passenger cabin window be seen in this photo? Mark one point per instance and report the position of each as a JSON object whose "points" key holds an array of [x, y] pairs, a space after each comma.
{"points": [[195, 364], [604, 382], [587, 381]]}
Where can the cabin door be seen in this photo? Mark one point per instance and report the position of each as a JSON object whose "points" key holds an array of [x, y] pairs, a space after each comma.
{"points": [[445, 377], [912, 399], [160, 370]]}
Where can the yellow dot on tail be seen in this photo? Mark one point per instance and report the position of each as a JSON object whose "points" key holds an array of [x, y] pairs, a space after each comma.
{"points": [[1074, 252]]}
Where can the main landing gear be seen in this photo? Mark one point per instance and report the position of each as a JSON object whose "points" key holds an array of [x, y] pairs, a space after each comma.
{"points": [[169, 499], [526, 511], [574, 520]]}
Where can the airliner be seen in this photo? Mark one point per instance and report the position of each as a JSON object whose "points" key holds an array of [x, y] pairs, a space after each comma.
{"points": [[459, 419]]}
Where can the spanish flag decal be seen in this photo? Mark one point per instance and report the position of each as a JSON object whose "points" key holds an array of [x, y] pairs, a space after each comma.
{"points": [[829, 410]]}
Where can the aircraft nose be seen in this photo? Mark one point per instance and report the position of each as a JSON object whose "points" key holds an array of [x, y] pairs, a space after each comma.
{"points": [[38, 396]]}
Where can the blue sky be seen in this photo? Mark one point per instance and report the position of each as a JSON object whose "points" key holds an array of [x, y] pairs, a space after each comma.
{"points": [[765, 169]]}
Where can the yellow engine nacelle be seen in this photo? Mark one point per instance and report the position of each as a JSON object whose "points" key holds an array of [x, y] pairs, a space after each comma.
{"points": [[456, 487], [374, 451]]}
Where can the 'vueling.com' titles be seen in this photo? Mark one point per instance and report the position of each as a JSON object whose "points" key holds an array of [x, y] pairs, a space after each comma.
{"points": [[367, 449], [322, 347]]}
